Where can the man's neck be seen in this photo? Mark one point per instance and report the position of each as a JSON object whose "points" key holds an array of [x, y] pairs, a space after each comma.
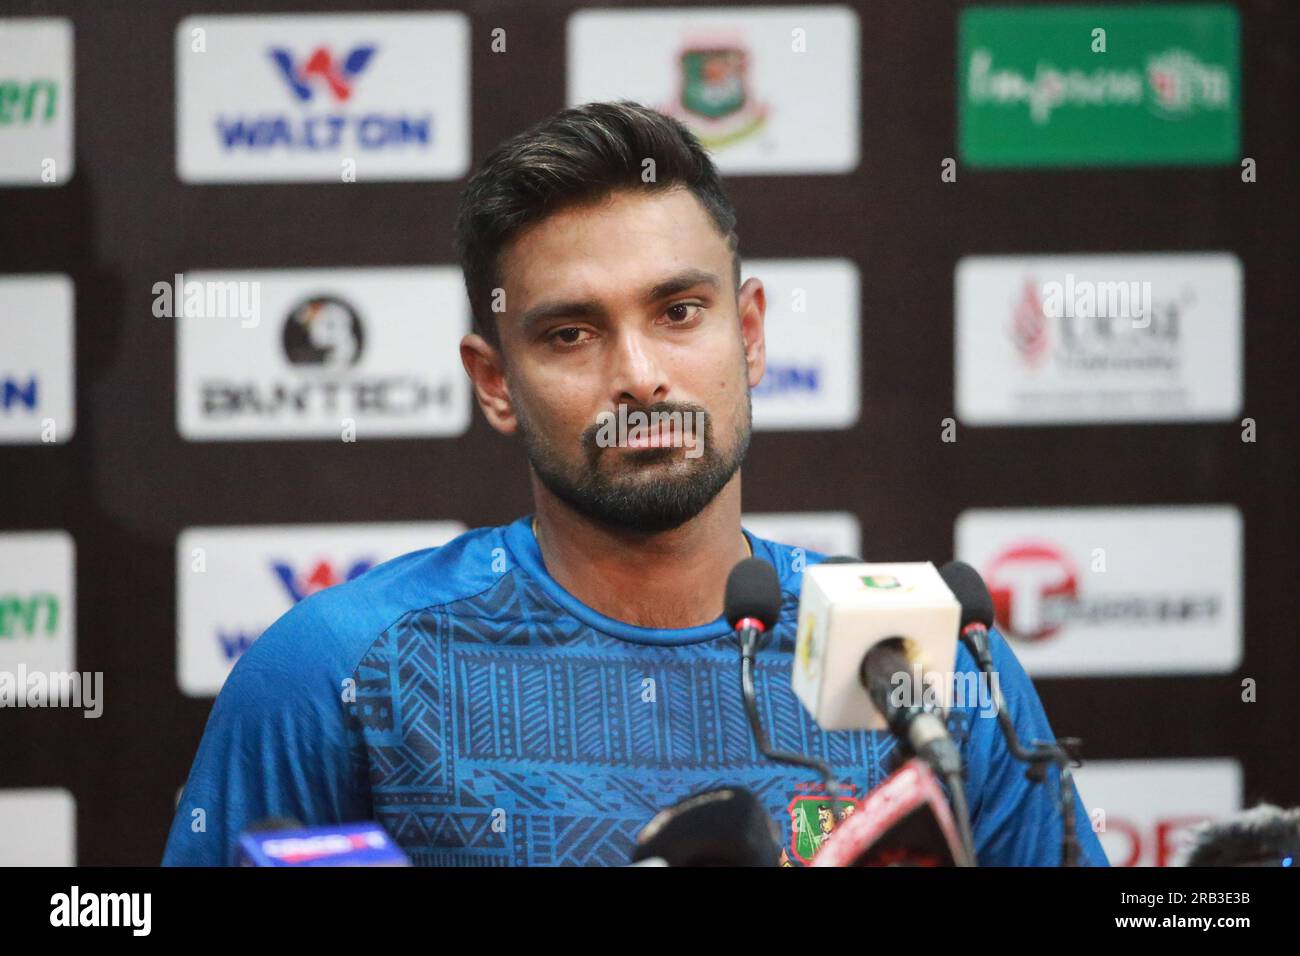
{"points": [[672, 579]]}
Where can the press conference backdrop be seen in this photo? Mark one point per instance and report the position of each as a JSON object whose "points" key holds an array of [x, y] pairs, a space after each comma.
{"points": [[1031, 278]]}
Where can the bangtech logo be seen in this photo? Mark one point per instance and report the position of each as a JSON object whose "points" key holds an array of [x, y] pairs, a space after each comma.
{"points": [[323, 331]]}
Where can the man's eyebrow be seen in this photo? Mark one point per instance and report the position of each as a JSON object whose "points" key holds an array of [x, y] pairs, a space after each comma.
{"points": [[686, 279], [589, 308]]}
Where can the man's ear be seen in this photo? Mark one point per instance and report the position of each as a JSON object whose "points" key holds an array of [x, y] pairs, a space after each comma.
{"points": [[752, 304], [486, 370]]}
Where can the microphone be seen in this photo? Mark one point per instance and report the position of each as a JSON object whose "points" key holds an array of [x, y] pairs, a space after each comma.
{"points": [[752, 607], [727, 826], [283, 841], [919, 727], [880, 628], [753, 597], [976, 619], [905, 821], [847, 609], [976, 609], [1264, 835]]}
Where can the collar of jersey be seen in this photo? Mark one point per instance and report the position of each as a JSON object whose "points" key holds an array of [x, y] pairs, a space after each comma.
{"points": [[523, 545]]}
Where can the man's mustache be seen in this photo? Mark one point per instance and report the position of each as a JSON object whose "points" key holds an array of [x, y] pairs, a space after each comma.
{"points": [[683, 415]]}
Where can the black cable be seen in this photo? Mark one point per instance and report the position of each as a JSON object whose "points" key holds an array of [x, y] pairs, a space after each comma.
{"points": [[961, 810], [748, 647], [1060, 752]]}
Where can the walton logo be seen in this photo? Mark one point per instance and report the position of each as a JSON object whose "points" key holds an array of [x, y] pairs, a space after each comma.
{"points": [[322, 576], [329, 123], [1033, 586], [322, 68]]}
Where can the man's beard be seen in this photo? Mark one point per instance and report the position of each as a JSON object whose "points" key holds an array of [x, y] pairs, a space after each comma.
{"points": [[641, 496]]}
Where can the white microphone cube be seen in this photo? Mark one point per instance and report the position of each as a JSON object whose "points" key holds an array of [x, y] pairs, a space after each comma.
{"points": [[844, 611]]}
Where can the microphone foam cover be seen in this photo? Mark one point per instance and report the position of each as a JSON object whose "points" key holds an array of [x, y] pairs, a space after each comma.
{"points": [[970, 591], [753, 590], [723, 827]]}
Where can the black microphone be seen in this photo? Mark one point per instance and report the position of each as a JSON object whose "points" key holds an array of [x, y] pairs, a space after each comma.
{"points": [[918, 727], [753, 596], [1264, 835], [752, 607], [976, 619], [977, 613], [723, 827]]}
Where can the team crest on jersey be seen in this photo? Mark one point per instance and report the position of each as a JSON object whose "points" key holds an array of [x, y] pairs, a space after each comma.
{"points": [[812, 821]]}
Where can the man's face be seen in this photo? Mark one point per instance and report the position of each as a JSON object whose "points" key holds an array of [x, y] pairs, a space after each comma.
{"points": [[630, 302]]}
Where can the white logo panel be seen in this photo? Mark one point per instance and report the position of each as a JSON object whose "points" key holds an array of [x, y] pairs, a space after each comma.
{"points": [[1148, 806], [37, 601], [36, 100], [767, 90], [38, 827], [346, 354], [1044, 340], [234, 582], [1113, 590], [37, 367], [813, 377], [322, 98]]}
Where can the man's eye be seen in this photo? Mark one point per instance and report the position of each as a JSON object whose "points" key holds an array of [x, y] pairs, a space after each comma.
{"points": [[569, 335], [682, 312]]}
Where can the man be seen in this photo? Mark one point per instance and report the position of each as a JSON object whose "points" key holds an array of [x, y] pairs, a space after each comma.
{"points": [[535, 693]]}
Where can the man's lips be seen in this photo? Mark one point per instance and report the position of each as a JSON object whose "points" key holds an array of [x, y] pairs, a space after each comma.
{"points": [[662, 437]]}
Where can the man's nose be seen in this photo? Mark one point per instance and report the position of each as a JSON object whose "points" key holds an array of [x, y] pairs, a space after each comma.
{"points": [[639, 377]]}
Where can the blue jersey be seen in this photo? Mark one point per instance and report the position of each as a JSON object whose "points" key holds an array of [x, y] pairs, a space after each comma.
{"points": [[486, 717]]}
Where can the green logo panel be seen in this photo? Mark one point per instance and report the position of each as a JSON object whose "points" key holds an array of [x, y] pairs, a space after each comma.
{"points": [[1099, 86]]}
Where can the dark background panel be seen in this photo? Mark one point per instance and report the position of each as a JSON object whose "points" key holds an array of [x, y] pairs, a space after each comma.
{"points": [[127, 484]]}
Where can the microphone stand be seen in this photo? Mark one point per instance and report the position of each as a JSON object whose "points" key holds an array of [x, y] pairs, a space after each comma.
{"points": [[748, 635], [1063, 752]]}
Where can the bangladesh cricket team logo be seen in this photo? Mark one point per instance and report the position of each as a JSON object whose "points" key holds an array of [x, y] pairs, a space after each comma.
{"points": [[881, 582], [885, 582], [812, 821], [714, 98]]}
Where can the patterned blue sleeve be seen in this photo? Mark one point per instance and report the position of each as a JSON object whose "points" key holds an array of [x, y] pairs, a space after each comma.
{"points": [[276, 745], [1016, 822]]}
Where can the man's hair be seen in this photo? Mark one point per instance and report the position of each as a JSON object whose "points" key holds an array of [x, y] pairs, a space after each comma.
{"points": [[580, 155]]}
